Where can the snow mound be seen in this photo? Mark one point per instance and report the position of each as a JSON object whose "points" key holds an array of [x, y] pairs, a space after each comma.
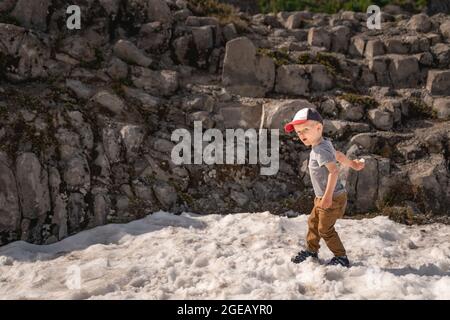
{"points": [[236, 256]]}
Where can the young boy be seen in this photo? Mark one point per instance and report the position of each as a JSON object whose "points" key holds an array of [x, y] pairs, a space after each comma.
{"points": [[331, 197]]}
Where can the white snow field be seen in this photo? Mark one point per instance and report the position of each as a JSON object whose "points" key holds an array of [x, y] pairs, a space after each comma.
{"points": [[236, 256]]}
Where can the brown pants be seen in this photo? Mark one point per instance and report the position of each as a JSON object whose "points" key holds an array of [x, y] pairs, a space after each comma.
{"points": [[321, 225]]}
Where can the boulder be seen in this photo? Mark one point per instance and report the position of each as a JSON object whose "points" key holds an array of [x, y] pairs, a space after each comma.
{"points": [[128, 52], [404, 71], [420, 23], [319, 37], [158, 83], [277, 113], [109, 101], [32, 182], [438, 82], [32, 14], [382, 120], [442, 108], [9, 199], [244, 72]]}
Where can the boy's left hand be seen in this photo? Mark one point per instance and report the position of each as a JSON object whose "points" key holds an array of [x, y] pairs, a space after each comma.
{"points": [[326, 202], [357, 165]]}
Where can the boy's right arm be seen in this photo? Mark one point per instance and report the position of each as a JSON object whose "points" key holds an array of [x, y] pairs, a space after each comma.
{"points": [[354, 164]]}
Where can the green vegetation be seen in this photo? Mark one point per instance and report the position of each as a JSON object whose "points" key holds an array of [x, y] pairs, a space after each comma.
{"points": [[333, 6], [418, 109], [365, 101], [280, 57], [325, 59], [225, 13], [6, 18]]}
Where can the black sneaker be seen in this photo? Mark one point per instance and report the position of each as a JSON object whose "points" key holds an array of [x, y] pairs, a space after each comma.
{"points": [[343, 261], [303, 255]]}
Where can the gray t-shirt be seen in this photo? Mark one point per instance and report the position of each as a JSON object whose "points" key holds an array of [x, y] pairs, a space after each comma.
{"points": [[320, 155]]}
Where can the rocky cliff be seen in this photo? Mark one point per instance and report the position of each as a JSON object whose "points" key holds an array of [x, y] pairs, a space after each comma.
{"points": [[86, 116]]}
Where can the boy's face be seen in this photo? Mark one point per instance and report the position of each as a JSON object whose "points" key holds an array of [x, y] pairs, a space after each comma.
{"points": [[309, 132]]}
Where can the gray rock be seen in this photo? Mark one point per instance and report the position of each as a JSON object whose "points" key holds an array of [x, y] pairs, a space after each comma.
{"points": [[81, 90], [194, 21], [30, 52], [117, 69], [417, 44], [132, 137], [241, 115], [158, 10], [424, 59], [163, 82], [203, 38], [441, 52], [204, 117], [379, 66], [32, 14], [338, 128], [430, 176], [59, 208], [7, 5], [183, 48], [442, 107], [68, 142], [351, 112], [340, 39], [76, 212], [404, 71], [147, 101], [165, 193], [79, 48], [128, 52], [393, 106], [362, 186], [292, 79], [154, 37], [438, 82], [239, 197], [163, 145], [101, 209], [321, 80], [110, 6], [319, 37], [32, 181], [395, 46], [445, 29], [438, 6], [229, 32], [245, 73], [84, 130], [420, 23], [374, 48], [109, 101], [295, 20], [357, 46], [279, 112], [77, 173], [329, 108], [9, 198], [111, 144], [382, 120]]}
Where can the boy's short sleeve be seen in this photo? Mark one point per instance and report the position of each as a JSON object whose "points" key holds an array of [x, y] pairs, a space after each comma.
{"points": [[325, 154]]}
